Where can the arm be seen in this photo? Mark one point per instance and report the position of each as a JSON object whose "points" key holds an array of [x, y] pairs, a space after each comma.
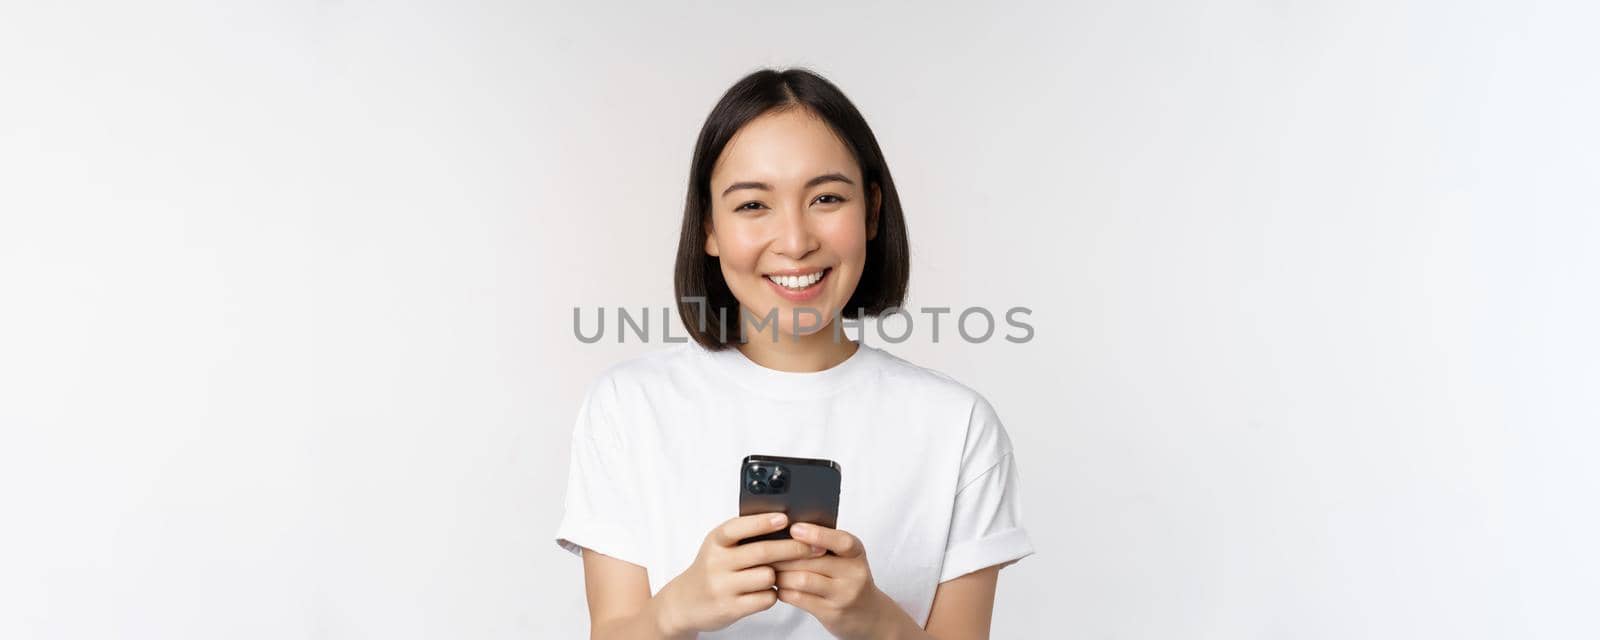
{"points": [[620, 605], [963, 607]]}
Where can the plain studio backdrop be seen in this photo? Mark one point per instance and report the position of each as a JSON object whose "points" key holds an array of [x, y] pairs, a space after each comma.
{"points": [[286, 295]]}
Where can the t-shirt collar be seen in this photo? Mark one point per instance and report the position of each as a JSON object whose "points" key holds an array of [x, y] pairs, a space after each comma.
{"points": [[786, 385]]}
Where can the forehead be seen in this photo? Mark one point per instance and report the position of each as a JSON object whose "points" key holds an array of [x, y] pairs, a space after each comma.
{"points": [[779, 147]]}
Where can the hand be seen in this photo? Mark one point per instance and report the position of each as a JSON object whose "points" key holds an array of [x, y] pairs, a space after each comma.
{"points": [[727, 580], [837, 589]]}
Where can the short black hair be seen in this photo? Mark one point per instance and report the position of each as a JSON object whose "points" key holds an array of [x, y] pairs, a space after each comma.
{"points": [[698, 276]]}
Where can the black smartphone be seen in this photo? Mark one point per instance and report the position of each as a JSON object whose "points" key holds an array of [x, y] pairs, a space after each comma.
{"points": [[805, 488]]}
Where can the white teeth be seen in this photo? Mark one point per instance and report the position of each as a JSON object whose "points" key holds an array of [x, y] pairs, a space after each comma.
{"points": [[797, 282]]}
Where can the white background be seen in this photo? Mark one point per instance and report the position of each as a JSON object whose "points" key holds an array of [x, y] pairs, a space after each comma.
{"points": [[286, 299]]}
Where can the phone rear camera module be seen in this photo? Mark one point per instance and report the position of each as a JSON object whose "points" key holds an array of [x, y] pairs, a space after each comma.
{"points": [[763, 478]]}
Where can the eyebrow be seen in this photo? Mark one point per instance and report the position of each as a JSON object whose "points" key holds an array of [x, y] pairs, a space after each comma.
{"points": [[826, 177]]}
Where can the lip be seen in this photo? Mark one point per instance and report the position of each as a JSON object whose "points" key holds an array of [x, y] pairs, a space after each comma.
{"points": [[799, 296]]}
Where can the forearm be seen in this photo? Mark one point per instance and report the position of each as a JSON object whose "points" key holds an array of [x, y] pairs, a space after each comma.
{"points": [[650, 622], [896, 624], [905, 628]]}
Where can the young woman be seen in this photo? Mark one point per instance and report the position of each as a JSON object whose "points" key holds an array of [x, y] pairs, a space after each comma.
{"points": [[792, 225]]}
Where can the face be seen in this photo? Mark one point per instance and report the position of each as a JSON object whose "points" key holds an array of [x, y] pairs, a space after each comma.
{"points": [[790, 220]]}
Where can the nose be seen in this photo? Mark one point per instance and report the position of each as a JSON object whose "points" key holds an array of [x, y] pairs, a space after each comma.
{"points": [[795, 238]]}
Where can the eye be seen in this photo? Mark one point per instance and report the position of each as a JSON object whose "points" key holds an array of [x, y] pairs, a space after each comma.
{"points": [[746, 206], [834, 199]]}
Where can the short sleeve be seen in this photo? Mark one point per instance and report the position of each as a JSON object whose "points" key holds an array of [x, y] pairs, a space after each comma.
{"points": [[598, 506], [986, 520]]}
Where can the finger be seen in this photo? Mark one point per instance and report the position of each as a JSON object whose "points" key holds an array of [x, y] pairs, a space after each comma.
{"points": [[806, 582], [752, 602], [731, 532], [767, 552], [753, 579], [841, 543], [810, 603], [831, 566]]}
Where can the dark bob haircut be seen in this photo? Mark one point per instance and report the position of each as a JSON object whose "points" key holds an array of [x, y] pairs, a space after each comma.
{"points": [[705, 304]]}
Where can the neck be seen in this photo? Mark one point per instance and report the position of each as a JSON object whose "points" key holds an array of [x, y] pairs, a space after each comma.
{"points": [[810, 353]]}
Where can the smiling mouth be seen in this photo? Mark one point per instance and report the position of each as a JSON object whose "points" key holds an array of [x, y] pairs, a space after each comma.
{"points": [[800, 282]]}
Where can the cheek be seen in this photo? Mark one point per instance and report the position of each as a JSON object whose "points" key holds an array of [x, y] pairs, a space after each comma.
{"points": [[846, 237], [740, 249]]}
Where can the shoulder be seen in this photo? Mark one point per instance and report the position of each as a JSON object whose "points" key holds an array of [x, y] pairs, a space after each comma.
{"points": [[627, 383], [662, 362], [643, 373], [984, 438], [928, 382]]}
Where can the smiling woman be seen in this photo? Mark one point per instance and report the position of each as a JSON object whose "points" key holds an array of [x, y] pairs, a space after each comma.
{"points": [[790, 212]]}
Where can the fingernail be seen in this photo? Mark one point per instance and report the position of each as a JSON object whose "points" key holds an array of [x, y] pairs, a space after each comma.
{"points": [[800, 529], [778, 518], [817, 551]]}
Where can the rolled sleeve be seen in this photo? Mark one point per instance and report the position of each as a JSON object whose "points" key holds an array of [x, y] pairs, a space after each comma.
{"points": [[598, 513], [986, 519]]}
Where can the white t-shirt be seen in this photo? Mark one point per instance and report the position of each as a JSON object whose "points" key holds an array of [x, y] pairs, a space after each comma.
{"points": [[928, 477]]}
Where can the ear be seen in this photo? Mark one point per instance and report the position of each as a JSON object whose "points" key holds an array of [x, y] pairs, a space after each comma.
{"points": [[872, 215], [711, 240]]}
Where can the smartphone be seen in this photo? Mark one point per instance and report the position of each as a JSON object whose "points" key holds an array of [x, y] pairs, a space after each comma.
{"points": [[805, 488]]}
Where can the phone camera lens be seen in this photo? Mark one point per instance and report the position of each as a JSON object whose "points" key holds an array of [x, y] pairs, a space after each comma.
{"points": [[757, 486], [779, 479]]}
